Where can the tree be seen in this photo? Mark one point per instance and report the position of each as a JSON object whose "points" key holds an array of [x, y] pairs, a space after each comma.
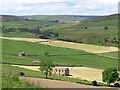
{"points": [[94, 83], [85, 27], [110, 75], [46, 67], [106, 27]]}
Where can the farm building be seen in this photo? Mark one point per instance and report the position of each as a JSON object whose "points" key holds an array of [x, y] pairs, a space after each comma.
{"points": [[61, 71], [22, 54]]}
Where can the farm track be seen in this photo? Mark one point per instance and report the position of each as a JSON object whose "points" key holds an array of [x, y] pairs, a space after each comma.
{"points": [[95, 49], [59, 84]]}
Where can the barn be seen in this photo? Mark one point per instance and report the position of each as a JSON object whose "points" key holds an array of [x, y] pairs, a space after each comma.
{"points": [[22, 54], [62, 71]]}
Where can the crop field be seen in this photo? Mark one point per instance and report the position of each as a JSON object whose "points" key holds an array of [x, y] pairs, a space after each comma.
{"points": [[38, 74], [84, 47], [57, 55]]}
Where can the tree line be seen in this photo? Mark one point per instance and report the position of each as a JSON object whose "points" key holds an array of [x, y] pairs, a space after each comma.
{"points": [[37, 32]]}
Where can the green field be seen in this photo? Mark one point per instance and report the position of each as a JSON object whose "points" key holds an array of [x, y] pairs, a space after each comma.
{"points": [[20, 35], [57, 55], [112, 54]]}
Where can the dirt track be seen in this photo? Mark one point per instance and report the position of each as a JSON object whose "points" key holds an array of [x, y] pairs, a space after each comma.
{"points": [[85, 47], [56, 84]]}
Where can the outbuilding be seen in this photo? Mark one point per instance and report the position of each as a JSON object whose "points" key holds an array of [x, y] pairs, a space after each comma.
{"points": [[62, 71], [22, 54]]}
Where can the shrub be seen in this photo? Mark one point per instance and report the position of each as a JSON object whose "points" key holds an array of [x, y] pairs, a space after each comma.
{"points": [[21, 73], [117, 85], [94, 83], [106, 27]]}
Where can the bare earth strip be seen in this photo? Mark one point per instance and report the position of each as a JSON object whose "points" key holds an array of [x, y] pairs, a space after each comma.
{"points": [[85, 47], [57, 84], [89, 74]]}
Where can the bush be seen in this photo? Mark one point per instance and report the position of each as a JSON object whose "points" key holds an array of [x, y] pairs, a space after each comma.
{"points": [[21, 73], [117, 85], [106, 27], [94, 83]]}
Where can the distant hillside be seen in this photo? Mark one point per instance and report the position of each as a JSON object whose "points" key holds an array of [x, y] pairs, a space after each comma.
{"points": [[110, 19], [10, 18], [61, 18]]}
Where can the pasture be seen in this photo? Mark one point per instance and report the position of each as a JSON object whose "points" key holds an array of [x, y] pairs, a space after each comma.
{"points": [[84, 47], [57, 55]]}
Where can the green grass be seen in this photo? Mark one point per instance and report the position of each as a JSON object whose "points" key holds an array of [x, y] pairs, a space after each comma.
{"points": [[20, 35], [112, 54], [63, 56], [10, 80]]}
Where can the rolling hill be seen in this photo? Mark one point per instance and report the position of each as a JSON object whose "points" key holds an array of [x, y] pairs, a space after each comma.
{"points": [[85, 29], [10, 18]]}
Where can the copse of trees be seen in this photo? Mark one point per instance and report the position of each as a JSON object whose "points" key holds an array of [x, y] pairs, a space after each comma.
{"points": [[112, 40], [36, 31], [70, 40]]}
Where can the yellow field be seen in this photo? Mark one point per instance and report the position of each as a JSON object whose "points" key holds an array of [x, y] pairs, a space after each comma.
{"points": [[85, 47], [76, 72]]}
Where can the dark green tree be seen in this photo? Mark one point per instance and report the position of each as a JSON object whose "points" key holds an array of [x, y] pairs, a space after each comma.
{"points": [[110, 75]]}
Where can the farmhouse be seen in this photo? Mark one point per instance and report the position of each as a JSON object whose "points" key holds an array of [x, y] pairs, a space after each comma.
{"points": [[61, 71], [22, 54]]}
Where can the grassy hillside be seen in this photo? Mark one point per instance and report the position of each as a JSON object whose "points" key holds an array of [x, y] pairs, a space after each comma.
{"points": [[10, 80], [10, 18], [60, 18], [57, 55], [87, 30]]}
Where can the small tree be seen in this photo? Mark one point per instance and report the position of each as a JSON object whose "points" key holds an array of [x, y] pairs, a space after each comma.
{"points": [[46, 67], [94, 83], [85, 27], [46, 53], [110, 75]]}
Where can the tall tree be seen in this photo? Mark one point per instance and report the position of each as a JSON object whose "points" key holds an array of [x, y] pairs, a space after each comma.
{"points": [[110, 75], [47, 68]]}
